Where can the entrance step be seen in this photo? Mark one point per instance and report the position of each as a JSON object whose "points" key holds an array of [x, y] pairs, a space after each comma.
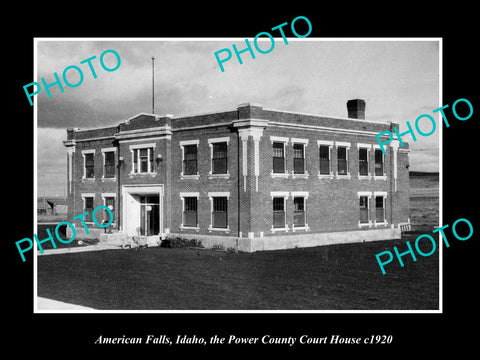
{"points": [[122, 239], [112, 239]]}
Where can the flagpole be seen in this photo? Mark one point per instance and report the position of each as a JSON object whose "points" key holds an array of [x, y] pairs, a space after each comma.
{"points": [[153, 85]]}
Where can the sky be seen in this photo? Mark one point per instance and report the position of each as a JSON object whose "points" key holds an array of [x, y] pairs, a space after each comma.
{"points": [[398, 79]]}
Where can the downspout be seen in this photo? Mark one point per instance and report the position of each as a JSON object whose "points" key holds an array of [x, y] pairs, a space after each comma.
{"points": [[238, 190], [391, 177], [73, 183], [119, 202]]}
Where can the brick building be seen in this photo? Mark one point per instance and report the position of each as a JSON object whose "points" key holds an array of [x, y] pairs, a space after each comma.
{"points": [[250, 178]]}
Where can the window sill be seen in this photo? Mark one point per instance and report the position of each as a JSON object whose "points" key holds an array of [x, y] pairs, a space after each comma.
{"points": [[384, 177], [219, 176], [348, 176], [227, 229], [383, 223], [104, 179], [189, 177], [326, 176], [364, 177], [279, 175], [276, 229], [151, 174], [182, 227], [369, 224], [305, 228], [88, 179], [300, 176]]}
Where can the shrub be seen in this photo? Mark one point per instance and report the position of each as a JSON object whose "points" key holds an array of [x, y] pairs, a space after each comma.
{"points": [[179, 242], [218, 247]]}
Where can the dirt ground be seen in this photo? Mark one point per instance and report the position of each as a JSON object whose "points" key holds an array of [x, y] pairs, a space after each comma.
{"points": [[424, 202]]}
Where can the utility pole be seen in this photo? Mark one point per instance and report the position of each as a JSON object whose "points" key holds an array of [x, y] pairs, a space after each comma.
{"points": [[153, 85]]}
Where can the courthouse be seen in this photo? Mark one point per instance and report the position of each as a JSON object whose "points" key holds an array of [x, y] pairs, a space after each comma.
{"points": [[250, 178]]}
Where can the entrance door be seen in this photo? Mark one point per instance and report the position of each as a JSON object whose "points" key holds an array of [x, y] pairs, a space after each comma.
{"points": [[149, 215]]}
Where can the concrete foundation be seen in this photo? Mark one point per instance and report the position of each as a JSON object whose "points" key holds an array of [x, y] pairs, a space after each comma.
{"points": [[319, 239], [279, 242], [252, 244]]}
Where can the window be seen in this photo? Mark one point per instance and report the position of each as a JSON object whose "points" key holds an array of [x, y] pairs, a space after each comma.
{"points": [[278, 212], [363, 161], [364, 218], [189, 150], [325, 170], [378, 162], [219, 158], [190, 160], [219, 155], [298, 158], [364, 198], [343, 149], [142, 160], [342, 160], [109, 164], [324, 159], [278, 157], [88, 207], [109, 201], [190, 217], [219, 212], [299, 212], [89, 166], [379, 209], [279, 168]]}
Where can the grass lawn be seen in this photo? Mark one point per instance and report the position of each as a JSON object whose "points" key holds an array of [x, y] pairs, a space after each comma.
{"points": [[43, 234], [330, 277]]}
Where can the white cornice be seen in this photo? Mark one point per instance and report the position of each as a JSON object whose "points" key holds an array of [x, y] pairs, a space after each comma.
{"points": [[156, 131]]}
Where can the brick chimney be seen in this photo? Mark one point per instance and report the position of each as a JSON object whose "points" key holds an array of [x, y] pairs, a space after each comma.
{"points": [[356, 109]]}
